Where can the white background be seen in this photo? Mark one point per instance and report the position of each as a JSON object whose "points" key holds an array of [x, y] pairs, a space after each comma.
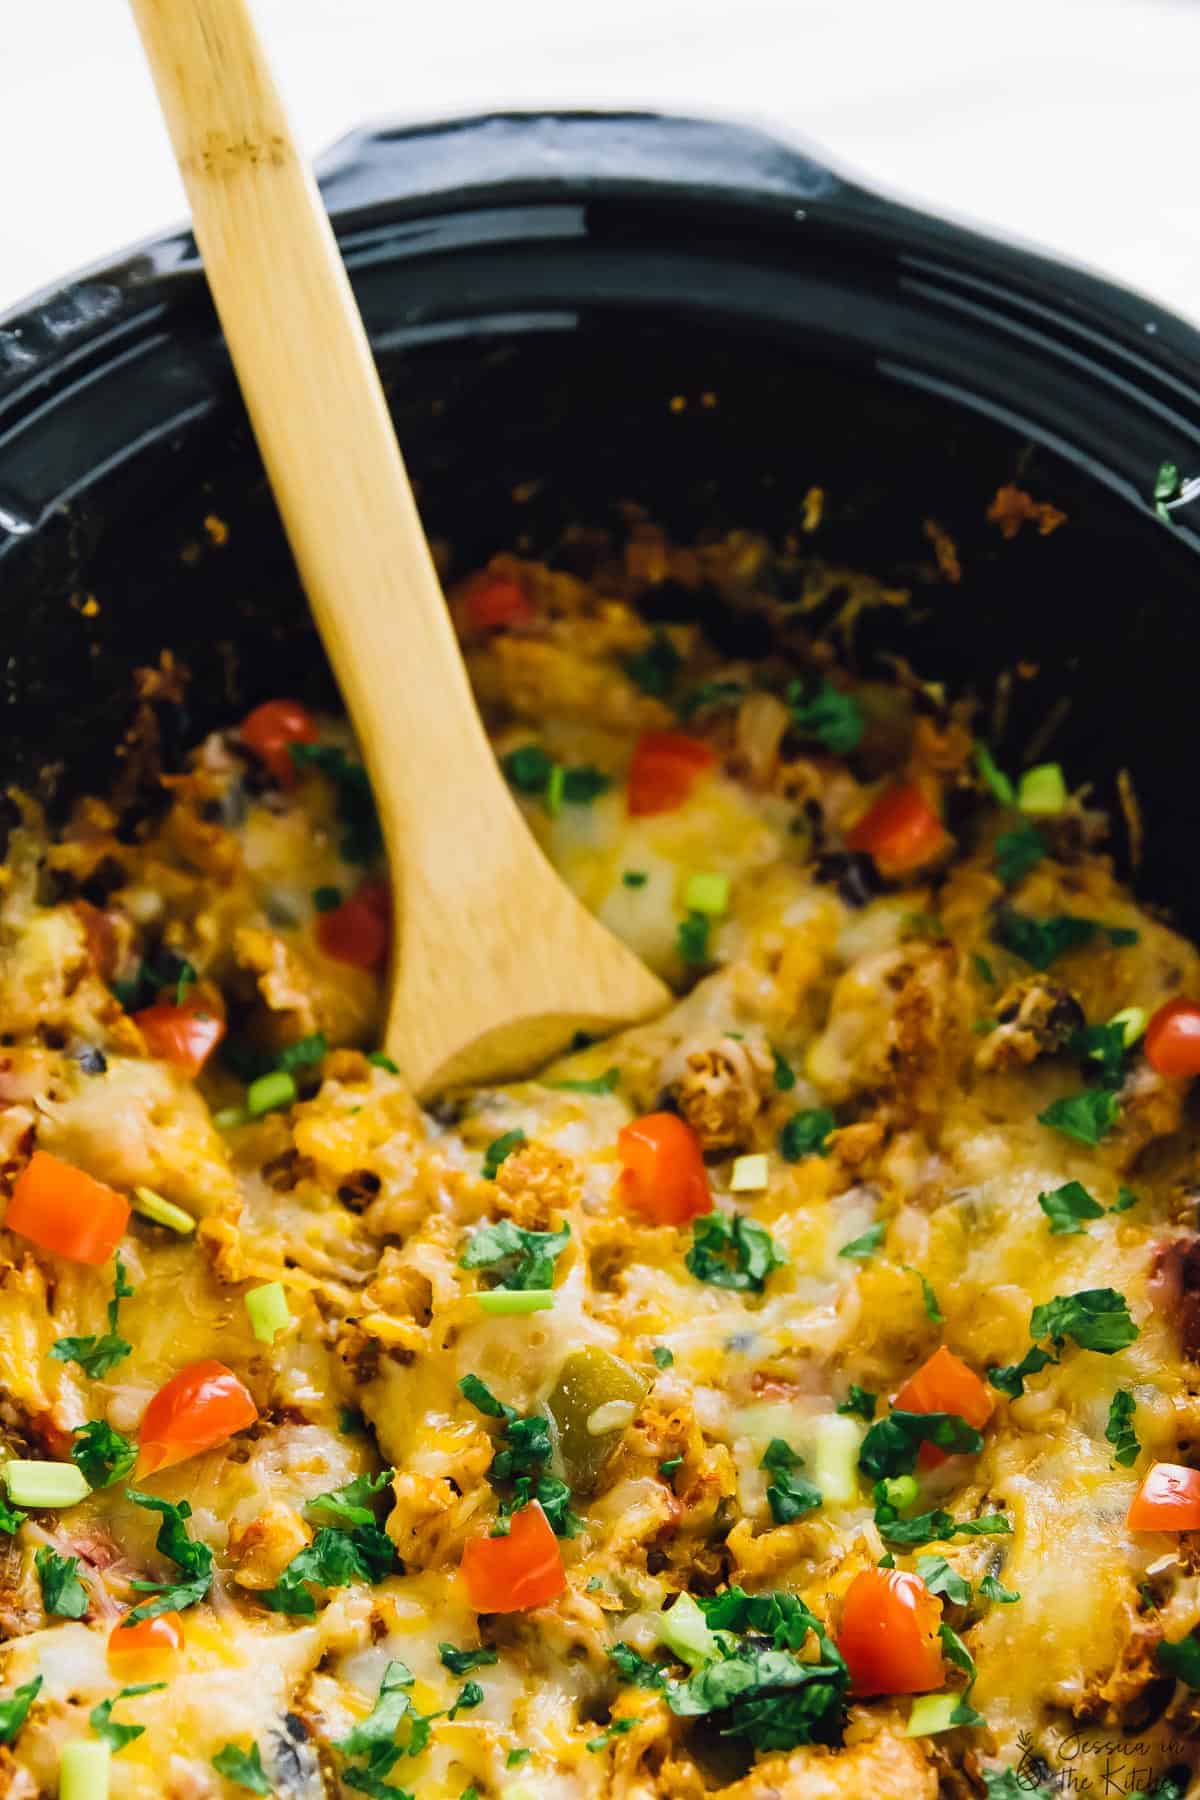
{"points": [[1073, 123]]}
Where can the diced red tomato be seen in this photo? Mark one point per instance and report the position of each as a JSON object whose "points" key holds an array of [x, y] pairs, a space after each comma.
{"points": [[889, 1634], [945, 1384], [198, 1408], [1173, 1039], [148, 1640], [270, 731], [183, 1035], [497, 601], [514, 1573], [57, 1206], [359, 931], [1168, 1500], [664, 769], [663, 1177], [901, 831]]}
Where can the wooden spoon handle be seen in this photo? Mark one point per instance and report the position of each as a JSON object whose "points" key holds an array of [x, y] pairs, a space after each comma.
{"points": [[323, 428]]}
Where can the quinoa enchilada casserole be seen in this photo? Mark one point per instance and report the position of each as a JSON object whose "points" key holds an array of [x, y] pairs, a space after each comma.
{"points": [[796, 1394]]}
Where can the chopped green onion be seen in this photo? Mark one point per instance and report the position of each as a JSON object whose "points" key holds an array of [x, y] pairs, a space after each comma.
{"points": [[268, 1310], [44, 1483], [555, 783], [749, 1174], [1133, 1022], [269, 1092], [993, 777], [685, 1630], [230, 1117], [83, 1770], [521, 1300], [163, 1212], [707, 893], [932, 1713], [836, 1444], [1042, 791], [900, 1491]]}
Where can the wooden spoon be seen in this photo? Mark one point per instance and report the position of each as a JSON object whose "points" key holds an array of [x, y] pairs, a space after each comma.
{"points": [[496, 963]]}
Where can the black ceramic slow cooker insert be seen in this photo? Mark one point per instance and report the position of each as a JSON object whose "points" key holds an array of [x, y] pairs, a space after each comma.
{"points": [[573, 313]]}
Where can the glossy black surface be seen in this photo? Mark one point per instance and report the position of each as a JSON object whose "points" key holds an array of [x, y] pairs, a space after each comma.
{"points": [[539, 290]]}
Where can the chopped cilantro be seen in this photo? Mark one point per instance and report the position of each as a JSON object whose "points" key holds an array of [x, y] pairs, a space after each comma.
{"points": [[771, 1697], [991, 1589], [528, 768], [514, 1257], [348, 1505], [731, 1251], [663, 1358], [608, 1083], [859, 1403], [325, 899], [515, 1758], [1066, 1208], [583, 784], [1041, 941], [14, 1709], [805, 1134], [789, 1496], [381, 1061], [101, 1454], [710, 694], [304, 1051], [11, 1518], [116, 1736], [821, 711], [1095, 1319], [333, 1559], [372, 1742], [1124, 1200], [97, 1355], [941, 1579], [461, 1662], [635, 1669], [983, 969], [618, 1728], [891, 1445], [635, 878], [691, 939], [362, 840], [1119, 1430], [654, 668], [929, 1299], [1087, 1117], [62, 1591], [243, 1768], [1181, 1659], [1103, 1044], [785, 1075], [193, 1560], [497, 1150], [483, 1400], [1017, 852], [859, 1249], [933, 1527]]}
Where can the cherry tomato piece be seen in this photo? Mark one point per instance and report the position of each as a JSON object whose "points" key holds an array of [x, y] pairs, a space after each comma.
{"points": [[270, 731], [497, 601], [1173, 1039], [901, 831], [198, 1408], [517, 1572], [945, 1384], [665, 767], [57, 1206], [183, 1035], [663, 1177], [1167, 1500], [148, 1638], [889, 1634], [359, 931]]}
